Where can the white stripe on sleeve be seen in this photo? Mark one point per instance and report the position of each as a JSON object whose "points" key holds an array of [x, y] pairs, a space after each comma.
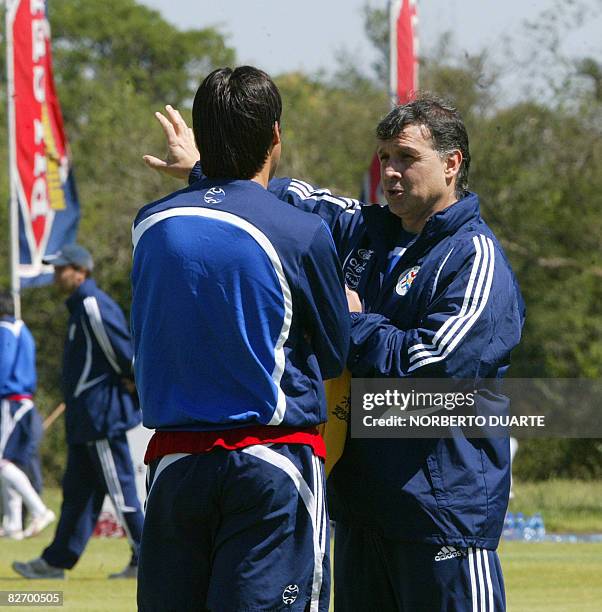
{"points": [[93, 312], [456, 327], [307, 192], [83, 383]]}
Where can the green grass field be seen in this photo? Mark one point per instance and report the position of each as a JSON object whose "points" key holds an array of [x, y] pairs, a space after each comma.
{"points": [[540, 577], [547, 577]]}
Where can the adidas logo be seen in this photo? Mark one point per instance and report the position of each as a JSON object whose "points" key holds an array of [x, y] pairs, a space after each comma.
{"points": [[449, 552]]}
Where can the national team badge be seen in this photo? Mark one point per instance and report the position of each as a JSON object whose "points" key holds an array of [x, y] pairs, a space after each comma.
{"points": [[405, 280]]}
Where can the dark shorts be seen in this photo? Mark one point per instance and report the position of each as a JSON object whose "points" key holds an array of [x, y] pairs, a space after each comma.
{"points": [[376, 573], [235, 530]]}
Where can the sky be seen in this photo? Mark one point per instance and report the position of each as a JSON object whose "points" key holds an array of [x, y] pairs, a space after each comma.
{"points": [[282, 36]]}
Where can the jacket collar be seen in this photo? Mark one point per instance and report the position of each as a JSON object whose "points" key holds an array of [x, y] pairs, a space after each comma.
{"points": [[383, 226], [88, 287], [447, 222], [440, 225]]}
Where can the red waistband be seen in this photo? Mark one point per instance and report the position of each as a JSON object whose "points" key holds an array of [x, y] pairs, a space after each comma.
{"points": [[17, 397], [194, 442]]}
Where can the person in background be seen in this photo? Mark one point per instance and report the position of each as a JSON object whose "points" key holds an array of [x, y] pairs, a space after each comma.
{"points": [[100, 408], [20, 428]]}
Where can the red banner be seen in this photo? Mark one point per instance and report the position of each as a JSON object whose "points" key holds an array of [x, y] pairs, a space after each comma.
{"points": [[403, 78], [40, 172], [404, 51]]}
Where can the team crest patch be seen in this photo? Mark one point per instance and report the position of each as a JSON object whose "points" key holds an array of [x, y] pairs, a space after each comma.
{"points": [[405, 280], [214, 195], [355, 267]]}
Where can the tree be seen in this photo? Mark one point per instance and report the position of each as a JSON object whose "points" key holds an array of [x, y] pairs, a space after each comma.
{"points": [[328, 129]]}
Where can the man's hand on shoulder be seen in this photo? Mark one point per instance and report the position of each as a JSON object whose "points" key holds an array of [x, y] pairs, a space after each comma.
{"points": [[182, 153]]}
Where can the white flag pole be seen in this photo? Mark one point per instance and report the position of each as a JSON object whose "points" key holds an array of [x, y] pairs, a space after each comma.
{"points": [[9, 12], [394, 7]]}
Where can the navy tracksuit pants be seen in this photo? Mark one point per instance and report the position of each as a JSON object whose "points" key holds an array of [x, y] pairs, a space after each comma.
{"points": [[376, 573], [93, 470]]}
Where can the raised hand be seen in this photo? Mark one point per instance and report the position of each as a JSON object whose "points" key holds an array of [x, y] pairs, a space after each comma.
{"points": [[182, 153]]}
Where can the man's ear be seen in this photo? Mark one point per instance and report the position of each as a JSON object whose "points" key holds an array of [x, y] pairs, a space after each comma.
{"points": [[277, 137], [453, 161]]}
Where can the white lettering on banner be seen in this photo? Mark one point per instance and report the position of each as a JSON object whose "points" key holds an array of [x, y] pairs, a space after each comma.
{"points": [[37, 6], [39, 32], [39, 88], [64, 170], [40, 164], [38, 131], [39, 198]]}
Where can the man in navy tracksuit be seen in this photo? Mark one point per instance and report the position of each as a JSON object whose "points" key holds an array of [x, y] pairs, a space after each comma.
{"points": [[100, 409], [431, 295], [20, 428], [418, 521], [238, 314]]}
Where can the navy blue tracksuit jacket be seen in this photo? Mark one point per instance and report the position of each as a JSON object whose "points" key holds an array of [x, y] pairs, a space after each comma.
{"points": [[450, 308], [98, 354]]}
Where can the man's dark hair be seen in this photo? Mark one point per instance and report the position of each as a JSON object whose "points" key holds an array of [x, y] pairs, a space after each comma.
{"points": [[7, 306], [444, 123], [233, 119]]}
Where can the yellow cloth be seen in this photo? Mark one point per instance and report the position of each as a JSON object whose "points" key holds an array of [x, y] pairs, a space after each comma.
{"points": [[338, 404]]}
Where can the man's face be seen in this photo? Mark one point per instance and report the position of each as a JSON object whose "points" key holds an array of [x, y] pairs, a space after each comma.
{"points": [[68, 278], [413, 174]]}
